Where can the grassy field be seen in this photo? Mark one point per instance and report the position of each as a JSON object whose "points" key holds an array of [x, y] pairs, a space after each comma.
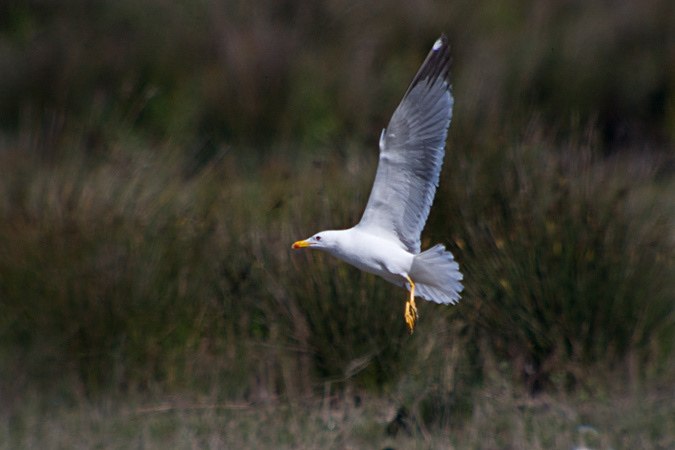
{"points": [[157, 160], [499, 417]]}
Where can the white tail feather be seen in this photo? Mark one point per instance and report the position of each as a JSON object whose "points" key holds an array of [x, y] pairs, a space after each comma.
{"points": [[436, 276]]}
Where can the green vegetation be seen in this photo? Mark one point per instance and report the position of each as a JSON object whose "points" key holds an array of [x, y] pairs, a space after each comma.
{"points": [[157, 159]]}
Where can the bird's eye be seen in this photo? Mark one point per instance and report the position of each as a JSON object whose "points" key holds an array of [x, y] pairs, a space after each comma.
{"points": [[318, 238]]}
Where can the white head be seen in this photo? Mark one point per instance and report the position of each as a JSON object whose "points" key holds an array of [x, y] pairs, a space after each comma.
{"points": [[323, 240]]}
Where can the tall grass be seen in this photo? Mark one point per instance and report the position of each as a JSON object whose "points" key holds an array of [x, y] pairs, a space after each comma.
{"points": [[571, 255], [137, 273]]}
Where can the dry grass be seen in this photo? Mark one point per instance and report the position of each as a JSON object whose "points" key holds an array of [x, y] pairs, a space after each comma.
{"points": [[500, 416]]}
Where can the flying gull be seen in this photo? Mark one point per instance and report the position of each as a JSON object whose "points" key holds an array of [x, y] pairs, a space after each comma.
{"points": [[386, 242]]}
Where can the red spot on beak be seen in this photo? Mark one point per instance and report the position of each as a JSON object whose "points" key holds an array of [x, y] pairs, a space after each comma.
{"points": [[300, 244]]}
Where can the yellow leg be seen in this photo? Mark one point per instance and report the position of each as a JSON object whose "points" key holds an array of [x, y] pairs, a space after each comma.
{"points": [[410, 308]]}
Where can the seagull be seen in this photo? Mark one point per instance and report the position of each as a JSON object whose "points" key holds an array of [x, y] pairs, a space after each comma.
{"points": [[386, 242]]}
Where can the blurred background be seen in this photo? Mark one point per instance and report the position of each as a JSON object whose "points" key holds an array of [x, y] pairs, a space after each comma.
{"points": [[158, 158]]}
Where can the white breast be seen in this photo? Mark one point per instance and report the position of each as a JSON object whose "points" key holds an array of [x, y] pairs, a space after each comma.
{"points": [[374, 254]]}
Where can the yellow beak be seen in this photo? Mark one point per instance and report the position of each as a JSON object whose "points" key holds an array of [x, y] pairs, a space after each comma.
{"points": [[301, 244]]}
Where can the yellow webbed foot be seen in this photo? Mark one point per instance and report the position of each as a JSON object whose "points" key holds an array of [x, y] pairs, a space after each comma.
{"points": [[411, 314], [411, 309]]}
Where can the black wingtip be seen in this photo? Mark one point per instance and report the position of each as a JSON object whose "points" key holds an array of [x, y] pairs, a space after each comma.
{"points": [[436, 65]]}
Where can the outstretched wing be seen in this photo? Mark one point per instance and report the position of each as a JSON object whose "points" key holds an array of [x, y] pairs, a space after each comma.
{"points": [[411, 153]]}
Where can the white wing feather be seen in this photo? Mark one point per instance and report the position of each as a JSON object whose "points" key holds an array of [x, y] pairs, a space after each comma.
{"points": [[411, 154]]}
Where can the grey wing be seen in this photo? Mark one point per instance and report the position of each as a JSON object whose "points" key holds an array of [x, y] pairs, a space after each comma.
{"points": [[411, 153]]}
